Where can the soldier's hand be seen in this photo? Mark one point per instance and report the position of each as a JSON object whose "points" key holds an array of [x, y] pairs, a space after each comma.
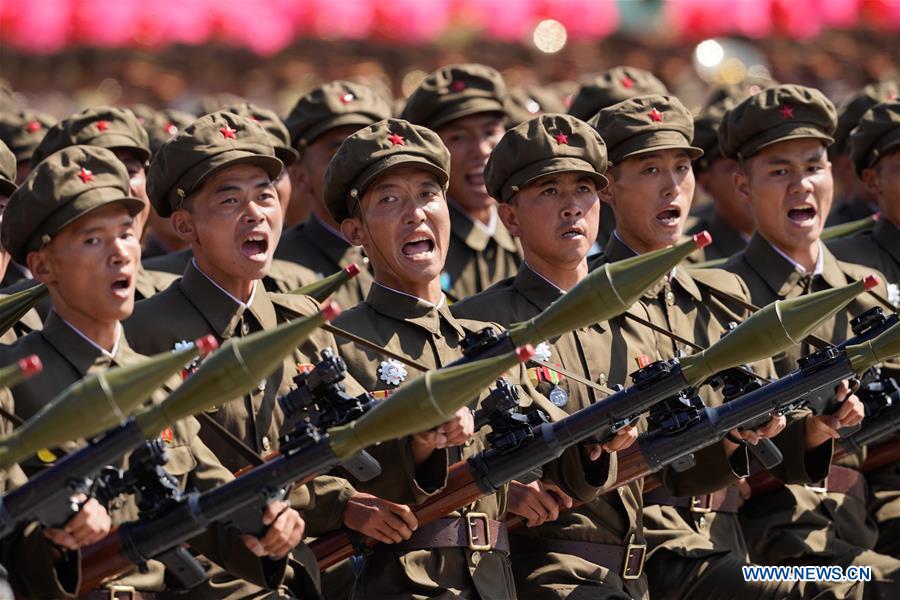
{"points": [[624, 438], [380, 519], [537, 502], [285, 530], [775, 426], [90, 525], [821, 428], [744, 491], [454, 432]]}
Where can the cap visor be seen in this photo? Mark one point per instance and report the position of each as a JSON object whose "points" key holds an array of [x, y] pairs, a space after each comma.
{"points": [[468, 108]]}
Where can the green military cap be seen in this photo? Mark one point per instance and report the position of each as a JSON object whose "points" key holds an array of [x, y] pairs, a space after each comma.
{"points": [[162, 125], [335, 104], [611, 87], [23, 131], [274, 126], [209, 144], [214, 102], [105, 126], [783, 112], [706, 124], [528, 101], [456, 91], [9, 103], [7, 171], [877, 135], [62, 188], [852, 110], [371, 151], [550, 143], [644, 124]]}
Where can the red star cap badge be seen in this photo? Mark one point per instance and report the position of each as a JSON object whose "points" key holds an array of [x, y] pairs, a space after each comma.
{"points": [[892, 96], [85, 175], [227, 132], [627, 82], [33, 126], [396, 140], [458, 86], [561, 138], [655, 115], [348, 98], [102, 125], [170, 128], [787, 112]]}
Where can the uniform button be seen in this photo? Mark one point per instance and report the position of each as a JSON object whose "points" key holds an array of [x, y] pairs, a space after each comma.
{"points": [[602, 379], [469, 442], [702, 522], [261, 386], [266, 444], [670, 298], [245, 328], [621, 491], [476, 557]]}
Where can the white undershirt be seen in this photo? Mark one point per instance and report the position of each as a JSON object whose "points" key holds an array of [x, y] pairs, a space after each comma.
{"points": [[110, 355], [820, 261], [438, 305]]}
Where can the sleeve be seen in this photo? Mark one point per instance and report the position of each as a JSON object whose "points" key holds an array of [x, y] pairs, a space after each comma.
{"points": [[328, 501], [711, 472], [801, 466]]}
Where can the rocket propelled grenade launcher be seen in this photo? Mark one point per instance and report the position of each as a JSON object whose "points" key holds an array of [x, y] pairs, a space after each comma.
{"points": [[323, 288], [14, 306], [418, 405], [232, 371], [606, 292], [770, 330], [20, 370], [97, 402]]}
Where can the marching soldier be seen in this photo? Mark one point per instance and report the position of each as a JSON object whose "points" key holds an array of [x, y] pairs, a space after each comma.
{"points": [[74, 215], [779, 137], [696, 548], [466, 105], [22, 132], [875, 150], [318, 123]]}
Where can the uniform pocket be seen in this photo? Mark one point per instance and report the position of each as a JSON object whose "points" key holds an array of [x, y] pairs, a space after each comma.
{"points": [[181, 460]]}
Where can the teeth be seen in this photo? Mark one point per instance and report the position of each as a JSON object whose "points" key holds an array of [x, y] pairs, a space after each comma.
{"points": [[256, 238]]}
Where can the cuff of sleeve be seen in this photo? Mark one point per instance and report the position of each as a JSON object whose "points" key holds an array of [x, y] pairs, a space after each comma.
{"points": [[712, 471], [800, 465], [330, 496]]}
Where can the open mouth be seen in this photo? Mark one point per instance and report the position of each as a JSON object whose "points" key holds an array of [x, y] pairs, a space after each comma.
{"points": [[121, 286], [669, 217], [802, 215], [475, 177], [418, 247], [572, 232], [255, 246]]}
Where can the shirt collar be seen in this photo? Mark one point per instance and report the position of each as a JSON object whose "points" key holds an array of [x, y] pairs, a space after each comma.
{"points": [[476, 235], [632, 252], [110, 355], [411, 309], [820, 261], [245, 305], [335, 232]]}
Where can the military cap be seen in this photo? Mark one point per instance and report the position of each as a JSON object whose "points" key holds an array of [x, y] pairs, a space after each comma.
{"points": [[526, 102], [62, 188], [335, 104], [877, 135], [456, 91], [612, 87], [272, 123], [371, 151], [9, 103], [214, 102], [549, 143], [644, 124], [853, 109], [706, 124], [105, 126], [7, 171], [162, 125], [209, 144], [23, 131], [784, 112]]}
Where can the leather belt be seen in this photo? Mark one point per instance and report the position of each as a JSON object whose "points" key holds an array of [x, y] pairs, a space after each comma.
{"points": [[841, 480], [627, 561], [473, 530], [726, 500], [120, 592]]}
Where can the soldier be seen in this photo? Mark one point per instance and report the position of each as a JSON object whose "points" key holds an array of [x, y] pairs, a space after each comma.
{"points": [[118, 130], [779, 137], [875, 150], [318, 123], [22, 132], [727, 217], [31, 321], [74, 215], [385, 186], [695, 544], [853, 200], [466, 106]]}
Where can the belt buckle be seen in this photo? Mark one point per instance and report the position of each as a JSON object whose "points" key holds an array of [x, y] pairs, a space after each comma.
{"points": [[128, 590], [698, 506], [822, 488], [630, 552], [471, 519]]}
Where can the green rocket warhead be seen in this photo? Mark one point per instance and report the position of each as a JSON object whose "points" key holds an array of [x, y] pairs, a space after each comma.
{"points": [[423, 403], [772, 329], [97, 402], [881, 348], [605, 293], [14, 306], [21, 370], [845, 229], [238, 367], [320, 290]]}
